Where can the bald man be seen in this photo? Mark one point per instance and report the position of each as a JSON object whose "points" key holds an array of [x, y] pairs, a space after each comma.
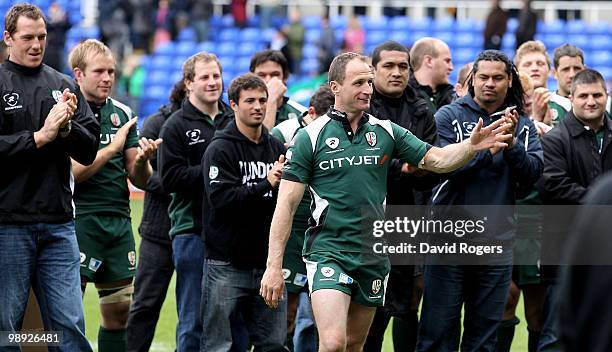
{"points": [[431, 64]]}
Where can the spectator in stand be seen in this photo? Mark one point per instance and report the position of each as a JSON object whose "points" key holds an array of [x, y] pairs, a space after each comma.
{"points": [[495, 27], [267, 9], [200, 12], [116, 33], [327, 44], [142, 23], [354, 37], [295, 40], [528, 20], [57, 26], [162, 23], [239, 12]]}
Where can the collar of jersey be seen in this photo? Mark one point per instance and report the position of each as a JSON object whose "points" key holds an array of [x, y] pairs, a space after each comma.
{"points": [[341, 116]]}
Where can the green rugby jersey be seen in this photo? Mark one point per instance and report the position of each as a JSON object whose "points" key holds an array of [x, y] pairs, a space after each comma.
{"points": [[289, 110], [559, 106], [345, 172], [107, 191]]}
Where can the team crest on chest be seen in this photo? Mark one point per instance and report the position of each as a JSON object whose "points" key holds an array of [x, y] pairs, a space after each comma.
{"points": [[115, 120], [376, 285], [56, 95], [371, 138], [332, 142]]}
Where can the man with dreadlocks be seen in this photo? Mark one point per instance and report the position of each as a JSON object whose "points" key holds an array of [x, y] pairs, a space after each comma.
{"points": [[491, 178]]}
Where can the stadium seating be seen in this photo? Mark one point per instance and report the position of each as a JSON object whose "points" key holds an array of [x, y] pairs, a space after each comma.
{"points": [[235, 46]]}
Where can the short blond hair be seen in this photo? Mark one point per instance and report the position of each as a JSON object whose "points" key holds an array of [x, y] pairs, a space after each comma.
{"points": [[532, 46], [84, 51], [189, 65]]}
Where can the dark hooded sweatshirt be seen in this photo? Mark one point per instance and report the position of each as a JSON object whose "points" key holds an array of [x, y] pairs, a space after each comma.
{"points": [[238, 200]]}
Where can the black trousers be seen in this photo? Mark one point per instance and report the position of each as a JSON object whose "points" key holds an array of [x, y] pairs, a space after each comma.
{"points": [[153, 275]]}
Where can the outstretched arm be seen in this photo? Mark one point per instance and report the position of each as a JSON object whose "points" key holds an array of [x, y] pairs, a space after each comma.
{"points": [[289, 196], [454, 156]]}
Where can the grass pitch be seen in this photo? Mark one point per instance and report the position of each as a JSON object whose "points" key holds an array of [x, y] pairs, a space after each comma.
{"points": [[165, 332]]}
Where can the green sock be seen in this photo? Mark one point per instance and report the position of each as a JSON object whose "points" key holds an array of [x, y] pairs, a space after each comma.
{"points": [[112, 340]]}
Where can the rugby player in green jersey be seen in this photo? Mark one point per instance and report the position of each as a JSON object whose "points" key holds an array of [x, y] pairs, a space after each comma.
{"points": [[101, 194], [344, 157]]}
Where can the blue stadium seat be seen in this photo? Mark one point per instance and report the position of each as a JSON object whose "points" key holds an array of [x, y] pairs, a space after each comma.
{"points": [[227, 21], [309, 66], [250, 35], [399, 23], [576, 26], [187, 34], [466, 25], [552, 27], [167, 49], [176, 75], [311, 22], [401, 37], [312, 36], [227, 49], [208, 47], [248, 49], [161, 63], [512, 25], [421, 24], [156, 78], [243, 64], [554, 40], [253, 21], [227, 63], [464, 55], [416, 35], [375, 24], [606, 72], [599, 41], [228, 35], [448, 38], [310, 51], [338, 22], [186, 48], [177, 62], [216, 22], [509, 41], [466, 40], [598, 28], [580, 40], [375, 37], [443, 24], [268, 34], [159, 92], [599, 58]]}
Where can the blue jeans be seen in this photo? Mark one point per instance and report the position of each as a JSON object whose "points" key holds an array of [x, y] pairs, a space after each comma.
{"points": [[483, 290], [228, 292], [549, 338], [305, 335], [188, 256], [46, 258]]}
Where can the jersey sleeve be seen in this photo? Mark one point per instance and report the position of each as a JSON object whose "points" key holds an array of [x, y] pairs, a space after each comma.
{"points": [[300, 159], [278, 134], [407, 146]]}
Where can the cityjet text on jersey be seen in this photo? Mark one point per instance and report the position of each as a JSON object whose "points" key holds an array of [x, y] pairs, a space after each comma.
{"points": [[349, 161]]}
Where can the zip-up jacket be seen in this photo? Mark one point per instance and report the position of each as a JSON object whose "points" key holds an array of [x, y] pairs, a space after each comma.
{"points": [[186, 135], [443, 95], [36, 184], [155, 224], [411, 112], [574, 161], [487, 179], [238, 199]]}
